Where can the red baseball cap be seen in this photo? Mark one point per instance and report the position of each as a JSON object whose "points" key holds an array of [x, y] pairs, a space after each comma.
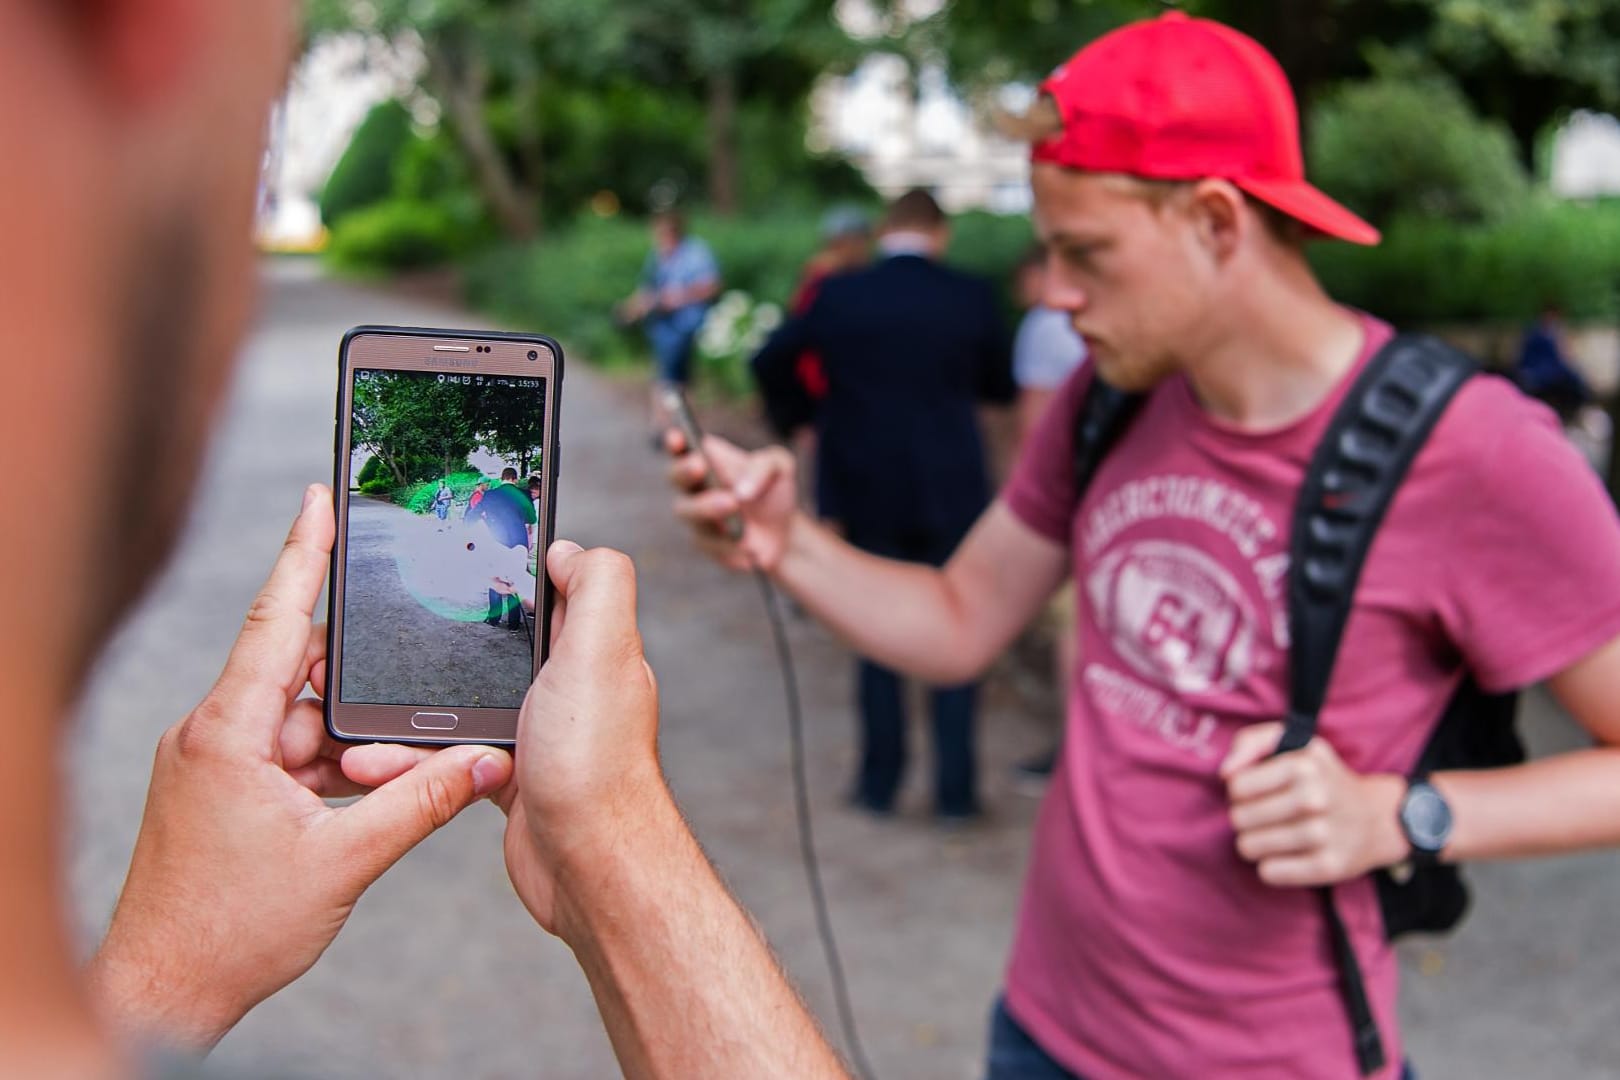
{"points": [[1178, 98]]}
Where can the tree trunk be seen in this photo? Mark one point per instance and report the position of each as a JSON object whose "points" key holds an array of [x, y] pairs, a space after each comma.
{"points": [[723, 141], [531, 145], [462, 95], [393, 467]]}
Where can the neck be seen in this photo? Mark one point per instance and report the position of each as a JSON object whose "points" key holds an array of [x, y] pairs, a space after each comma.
{"points": [[1283, 349], [906, 242]]}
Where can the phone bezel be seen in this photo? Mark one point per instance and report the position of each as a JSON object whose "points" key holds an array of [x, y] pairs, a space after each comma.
{"points": [[403, 348]]}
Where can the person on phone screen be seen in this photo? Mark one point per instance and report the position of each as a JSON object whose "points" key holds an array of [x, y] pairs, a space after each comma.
{"points": [[510, 515], [129, 265]]}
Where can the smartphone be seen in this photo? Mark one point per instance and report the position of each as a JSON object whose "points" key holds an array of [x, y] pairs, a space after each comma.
{"points": [[680, 410], [445, 474]]}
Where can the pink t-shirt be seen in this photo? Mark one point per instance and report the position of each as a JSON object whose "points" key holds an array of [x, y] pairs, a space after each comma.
{"points": [[1146, 947]]}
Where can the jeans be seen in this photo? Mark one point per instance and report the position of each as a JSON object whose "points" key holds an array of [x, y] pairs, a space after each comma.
{"points": [[880, 695], [1015, 1056], [672, 337]]}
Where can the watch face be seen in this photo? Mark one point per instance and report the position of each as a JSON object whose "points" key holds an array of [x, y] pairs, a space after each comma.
{"points": [[1426, 818]]}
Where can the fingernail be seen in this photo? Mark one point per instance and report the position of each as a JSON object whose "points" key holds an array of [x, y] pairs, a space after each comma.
{"points": [[486, 774], [311, 493], [745, 490], [566, 547]]}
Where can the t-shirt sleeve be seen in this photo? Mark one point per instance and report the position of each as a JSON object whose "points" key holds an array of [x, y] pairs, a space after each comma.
{"points": [[1534, 584], [1040, 492]]}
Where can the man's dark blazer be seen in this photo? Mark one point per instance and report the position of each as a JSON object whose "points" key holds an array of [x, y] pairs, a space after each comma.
{"points": [[910, 348]]}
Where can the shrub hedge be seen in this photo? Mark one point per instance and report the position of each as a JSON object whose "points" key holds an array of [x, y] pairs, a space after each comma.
{"points": [[364, 175], [1425, 272], [398, 234], [568, 283]]}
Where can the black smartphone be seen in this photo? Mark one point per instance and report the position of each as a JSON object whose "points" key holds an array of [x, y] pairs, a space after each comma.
{"points": [[680, 410], [445, 477]]}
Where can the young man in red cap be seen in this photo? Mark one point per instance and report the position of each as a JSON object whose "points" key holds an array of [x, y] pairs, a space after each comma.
{"points": [[1167, 926]]}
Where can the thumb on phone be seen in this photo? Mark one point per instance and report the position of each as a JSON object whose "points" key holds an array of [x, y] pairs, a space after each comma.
{"points": [[377, 831]]}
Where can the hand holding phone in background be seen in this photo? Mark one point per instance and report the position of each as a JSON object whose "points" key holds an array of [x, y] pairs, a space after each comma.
{"points": [[740, 503]]}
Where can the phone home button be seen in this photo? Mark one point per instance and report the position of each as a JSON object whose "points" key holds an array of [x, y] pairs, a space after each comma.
{"points": [[435, 721]]}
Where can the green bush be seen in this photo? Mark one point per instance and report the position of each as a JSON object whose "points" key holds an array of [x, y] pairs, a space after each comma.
{"points": [[418, 498], [371, 470], [1434, 271], [378, 486], [364, 175], [400, 234], [1392, 147]]}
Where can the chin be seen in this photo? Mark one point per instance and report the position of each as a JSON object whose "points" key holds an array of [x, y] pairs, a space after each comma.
{"points": [[1123, 374]]}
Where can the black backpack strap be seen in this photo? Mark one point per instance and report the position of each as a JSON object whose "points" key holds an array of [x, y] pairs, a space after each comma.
{"points": [[1102, 418], [1353, 476]]}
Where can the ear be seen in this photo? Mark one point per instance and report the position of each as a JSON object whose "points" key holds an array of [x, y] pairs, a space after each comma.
{"points": [[141, 49], [1217, 212]]}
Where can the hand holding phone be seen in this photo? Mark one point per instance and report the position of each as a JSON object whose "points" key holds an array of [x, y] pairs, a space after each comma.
{"points": [[680, 411], [242, 875], [740, 503]]}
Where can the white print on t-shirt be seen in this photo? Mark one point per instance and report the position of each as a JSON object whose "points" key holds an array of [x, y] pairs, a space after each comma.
{"points": [[1120, 695], [1188, 619], [1175, 615], [1198, 498]]}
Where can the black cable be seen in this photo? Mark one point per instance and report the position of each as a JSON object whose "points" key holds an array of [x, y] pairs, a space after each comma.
{"points": [[807, 839]]}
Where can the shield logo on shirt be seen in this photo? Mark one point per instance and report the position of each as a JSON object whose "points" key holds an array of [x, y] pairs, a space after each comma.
{"points": [[1175, 615]]}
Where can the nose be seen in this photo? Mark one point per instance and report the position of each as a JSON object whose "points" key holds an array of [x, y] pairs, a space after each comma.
{"points": [[1059, 290]]}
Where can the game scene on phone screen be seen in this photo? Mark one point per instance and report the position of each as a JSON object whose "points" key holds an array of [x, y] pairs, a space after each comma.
{"points": [[443, 529]]}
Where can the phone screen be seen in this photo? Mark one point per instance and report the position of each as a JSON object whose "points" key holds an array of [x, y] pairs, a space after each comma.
{"points": [[443, 538]]}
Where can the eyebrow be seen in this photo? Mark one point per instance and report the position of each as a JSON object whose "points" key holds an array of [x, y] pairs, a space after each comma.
{"points": [[1075, 239]]}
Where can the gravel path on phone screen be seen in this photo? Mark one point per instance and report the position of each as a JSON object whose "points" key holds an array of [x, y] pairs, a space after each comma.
{"points": [[441, 974], [400, 652]]}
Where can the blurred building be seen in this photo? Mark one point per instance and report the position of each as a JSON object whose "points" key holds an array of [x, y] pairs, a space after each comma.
{"points": [[1586, 157], [904, 132], [333, 88]]}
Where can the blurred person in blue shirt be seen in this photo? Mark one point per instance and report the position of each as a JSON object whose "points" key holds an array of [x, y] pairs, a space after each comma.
{"points": [[679, 282], [1544, 372]]}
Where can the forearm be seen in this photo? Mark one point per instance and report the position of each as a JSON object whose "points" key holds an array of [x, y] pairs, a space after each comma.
{"points": [[1566, 803], [148, 1006], [906, 616], [684, 982]]}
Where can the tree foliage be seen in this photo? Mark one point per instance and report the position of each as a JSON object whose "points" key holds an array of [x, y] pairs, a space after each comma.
{"points": [[499, 70], [421, 428], [1523, 62], [1436, 159], [415, 426]]}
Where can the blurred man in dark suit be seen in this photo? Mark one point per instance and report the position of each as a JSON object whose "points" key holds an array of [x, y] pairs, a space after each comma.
{"points": [[909, 348]]}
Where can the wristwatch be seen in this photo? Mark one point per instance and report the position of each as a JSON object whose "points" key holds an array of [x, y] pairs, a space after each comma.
{"points": [[1426, 821]]}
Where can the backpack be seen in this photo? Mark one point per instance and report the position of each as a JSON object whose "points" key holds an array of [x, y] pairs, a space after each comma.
{"points": [[1377, 431]]}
